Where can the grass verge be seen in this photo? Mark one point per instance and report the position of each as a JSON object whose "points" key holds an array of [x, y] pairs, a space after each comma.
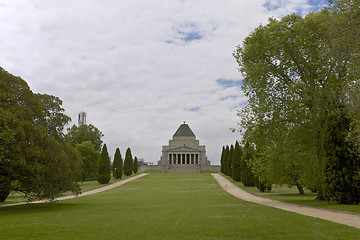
{"points": [[291, 195], [16, 197]]}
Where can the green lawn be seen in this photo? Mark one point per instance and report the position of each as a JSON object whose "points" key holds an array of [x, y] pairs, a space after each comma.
{"points": [[291, 195], [163, 206], [16, 197]]}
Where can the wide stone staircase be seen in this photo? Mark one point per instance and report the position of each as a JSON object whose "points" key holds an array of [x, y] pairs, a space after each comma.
{"points": [[183, 169]]}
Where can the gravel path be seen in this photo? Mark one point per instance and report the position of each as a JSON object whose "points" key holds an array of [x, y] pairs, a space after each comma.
{"points": [[346, 218], [119, 183]]}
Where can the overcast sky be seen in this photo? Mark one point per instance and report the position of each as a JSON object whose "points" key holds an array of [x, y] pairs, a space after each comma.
{"points": [[139, 68]]}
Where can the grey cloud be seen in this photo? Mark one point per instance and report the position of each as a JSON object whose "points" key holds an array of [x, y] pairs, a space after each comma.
{"points": [[111, 60]]}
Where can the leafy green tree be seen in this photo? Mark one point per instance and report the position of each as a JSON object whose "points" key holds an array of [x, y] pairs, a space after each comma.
{"points": [[128, 163], [89, 157], [86, 132], [53, 118], [236, 162], [35, 158], [117, 165], [104, 168], [290, 72], [136, 166]]}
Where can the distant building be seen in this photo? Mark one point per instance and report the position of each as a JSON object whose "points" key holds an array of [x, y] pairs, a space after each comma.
{"points": [[140, 161], [184, 154], [81, 118]]}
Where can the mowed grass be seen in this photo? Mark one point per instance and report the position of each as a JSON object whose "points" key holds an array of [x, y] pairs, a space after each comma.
{"points": [[291, 195], [163, 206], [16, 197]]}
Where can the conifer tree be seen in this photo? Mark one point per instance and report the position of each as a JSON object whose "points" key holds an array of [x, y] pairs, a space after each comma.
{"points": [[222, 161], [117, 165], [229, 160], [247, 177], [104, 168], [342, 160], [226, 160], [128, 163], [136, 167], [236, 162]]}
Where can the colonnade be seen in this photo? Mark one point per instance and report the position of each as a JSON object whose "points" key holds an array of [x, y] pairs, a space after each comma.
{"points": [[184, 158]]}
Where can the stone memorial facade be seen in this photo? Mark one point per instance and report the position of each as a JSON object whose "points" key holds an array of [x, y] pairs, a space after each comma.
{"points": [[184, 153]]}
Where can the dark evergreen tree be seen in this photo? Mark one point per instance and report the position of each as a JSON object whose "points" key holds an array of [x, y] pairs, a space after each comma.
{"points": [[117, 165], [263, 185], [247, 177], [136, 167], [226, 161], [104, 167], [342, 158], [222, 161], [128, 163], [236, 162], [229, 161]]}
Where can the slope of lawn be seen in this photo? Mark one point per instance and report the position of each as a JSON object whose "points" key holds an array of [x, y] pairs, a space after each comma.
{"points": [[291, 195], [15, 197], [163, 206]]}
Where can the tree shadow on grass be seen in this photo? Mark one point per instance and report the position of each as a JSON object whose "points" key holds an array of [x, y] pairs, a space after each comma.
{"points": [[37, 208]]}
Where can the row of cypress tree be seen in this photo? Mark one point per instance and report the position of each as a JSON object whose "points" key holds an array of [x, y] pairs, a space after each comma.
{"points": [[235, 162], [119, 167]]}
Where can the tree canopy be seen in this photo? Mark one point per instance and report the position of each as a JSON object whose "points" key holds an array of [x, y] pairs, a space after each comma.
{"points": [[86, 132], [118, 165], [128, 163], [294, 70], [35, 158], [104, 166]]}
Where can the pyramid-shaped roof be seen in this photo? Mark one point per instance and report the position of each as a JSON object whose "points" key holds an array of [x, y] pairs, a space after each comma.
{"points": [[184, 131]]}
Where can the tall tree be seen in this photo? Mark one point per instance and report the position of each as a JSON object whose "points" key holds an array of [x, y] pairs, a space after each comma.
{"points": [[226, 160], [247, 177], [89, 157], [289, 74], [229, 161], [236, 162], [342, 159], [86, 132], [104, 166], [35, 158], [136, 166], [128, 163], [117, 165], [222, 160]]}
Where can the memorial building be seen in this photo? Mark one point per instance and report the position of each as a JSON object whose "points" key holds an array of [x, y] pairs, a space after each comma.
{"points": [[184, 153]]}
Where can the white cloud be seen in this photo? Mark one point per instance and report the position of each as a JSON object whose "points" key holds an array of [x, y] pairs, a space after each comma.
{"points": [[138, 68]]}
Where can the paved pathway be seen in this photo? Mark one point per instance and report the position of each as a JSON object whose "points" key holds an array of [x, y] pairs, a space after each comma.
{"points": [[346, 218], [119, 183]]}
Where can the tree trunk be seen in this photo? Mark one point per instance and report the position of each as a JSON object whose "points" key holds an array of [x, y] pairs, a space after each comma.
{"points": [[320, 195], [300, 188]]}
